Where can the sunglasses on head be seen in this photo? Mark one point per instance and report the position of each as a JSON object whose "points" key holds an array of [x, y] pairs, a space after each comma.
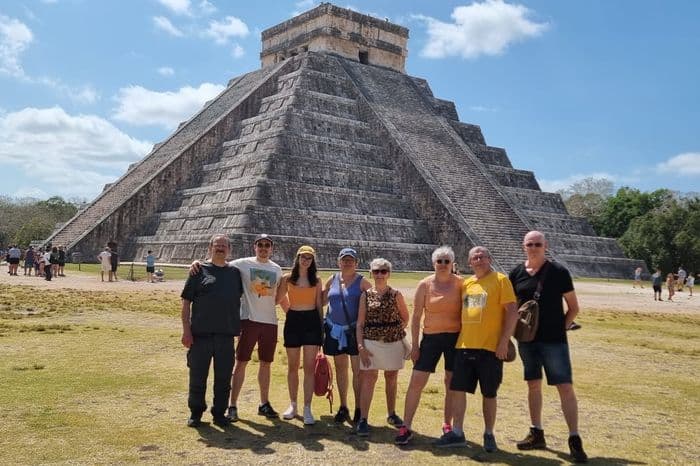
{"points": [[534, 245], [380, 271], [443, 261]]}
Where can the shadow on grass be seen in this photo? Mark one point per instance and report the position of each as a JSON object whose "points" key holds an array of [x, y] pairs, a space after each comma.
{"points": [[606, 460]]}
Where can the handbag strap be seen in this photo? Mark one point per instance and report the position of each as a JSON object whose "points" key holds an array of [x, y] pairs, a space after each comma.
{"points": [[540, 282]]}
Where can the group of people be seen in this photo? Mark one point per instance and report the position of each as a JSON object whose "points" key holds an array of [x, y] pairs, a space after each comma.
{"points": [[468, 322], [674, 282], [46, 263], [109, 262]]}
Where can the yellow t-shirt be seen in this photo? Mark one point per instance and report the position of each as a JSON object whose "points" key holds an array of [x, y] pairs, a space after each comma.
{"points": [[483, 312]]}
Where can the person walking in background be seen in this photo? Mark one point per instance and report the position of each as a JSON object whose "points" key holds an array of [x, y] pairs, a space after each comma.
{"points": [[39, 263], [488, 318], [29, 261], [210, 320], [46, 260], [106, 265], [637, 278], [54, 261], [381, 320], [303, 334], [670, 286], [656, 281], [13, 256], [150, 266], [550, 347], [690, 283], [342, 293], [61, 261], [114, 264], [438, 298], [682, 274]]}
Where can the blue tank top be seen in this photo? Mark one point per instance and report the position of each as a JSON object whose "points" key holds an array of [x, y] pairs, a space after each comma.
{"points": [[352, 301]]}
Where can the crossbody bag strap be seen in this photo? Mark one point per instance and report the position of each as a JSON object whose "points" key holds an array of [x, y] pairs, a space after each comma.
{"points": [[540, 282]]}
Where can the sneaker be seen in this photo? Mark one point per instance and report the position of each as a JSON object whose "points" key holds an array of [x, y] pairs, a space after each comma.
{"points": [[576, 450], [404, 436], [291, 412], [342, 415], [362, 428], [222, 421], [490, 443], [232, 414], [356, 417], [446, 427], [194, 421], [450, 439], [574, 326], [533, 441], [266, 410], [308, 417], [394, 420]]}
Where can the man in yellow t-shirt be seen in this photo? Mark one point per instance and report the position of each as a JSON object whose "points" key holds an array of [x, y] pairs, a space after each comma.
{"points": [[489, 315]]}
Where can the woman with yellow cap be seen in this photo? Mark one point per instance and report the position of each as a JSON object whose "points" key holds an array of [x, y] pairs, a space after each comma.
{"points": [[302, 327]]}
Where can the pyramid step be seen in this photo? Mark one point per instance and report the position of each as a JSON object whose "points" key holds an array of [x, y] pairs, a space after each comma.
{"points": [[535, 199]]}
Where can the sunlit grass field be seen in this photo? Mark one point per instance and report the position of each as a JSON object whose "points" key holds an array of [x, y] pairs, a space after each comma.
{"points": [[99, 377]]}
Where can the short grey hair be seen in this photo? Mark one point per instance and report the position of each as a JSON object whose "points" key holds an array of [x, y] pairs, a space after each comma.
{"points": [[443, 251], [380, 263], [481, 249], [220, 235]]}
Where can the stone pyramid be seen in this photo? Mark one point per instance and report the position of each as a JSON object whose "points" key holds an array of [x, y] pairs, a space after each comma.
{"points": [[332, 144]]}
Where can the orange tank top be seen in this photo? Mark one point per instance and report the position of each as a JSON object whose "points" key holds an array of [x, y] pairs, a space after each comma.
{"points": [[301, 298], [442, 310]]}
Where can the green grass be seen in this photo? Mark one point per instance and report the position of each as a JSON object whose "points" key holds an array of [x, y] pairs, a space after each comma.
{"points": [[100, 378]]}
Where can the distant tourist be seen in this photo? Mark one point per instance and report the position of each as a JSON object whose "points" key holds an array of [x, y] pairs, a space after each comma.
{"points": [[682, 274], [13, 256], [61, 261], [550, 348], [671, 286], [46, 260], [438, 304], [637, 278], [39, 263], [690, 282], [210, 320], [303, 334], [342, 292], [488, 319], [106, 265], [151, 266], [114, 264], [381, 320], [54, 261], [656, 281], [29, 261], [159, 275]]}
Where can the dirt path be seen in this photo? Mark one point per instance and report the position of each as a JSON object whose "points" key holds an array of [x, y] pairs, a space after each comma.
{"points": [[592, 295]]}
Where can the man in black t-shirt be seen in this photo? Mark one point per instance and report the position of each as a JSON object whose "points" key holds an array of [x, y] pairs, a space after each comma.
{"points": [[211, 304], [550, 348]]}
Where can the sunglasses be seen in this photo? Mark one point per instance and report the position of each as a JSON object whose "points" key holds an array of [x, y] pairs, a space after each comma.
{"points": [[264, 245], [380, 272], [534, 245], [306, 257], [443, 261]]}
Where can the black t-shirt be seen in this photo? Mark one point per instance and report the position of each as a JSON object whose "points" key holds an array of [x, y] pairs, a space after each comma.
{"points": [[557, 281], [215, 293]]}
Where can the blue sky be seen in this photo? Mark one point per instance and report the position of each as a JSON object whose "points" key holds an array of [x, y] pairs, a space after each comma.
{"points": [[571, 89]]}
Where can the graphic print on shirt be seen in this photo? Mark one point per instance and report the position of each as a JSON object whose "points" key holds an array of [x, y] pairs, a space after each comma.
{"points": [[262, 282], [473, 307]]}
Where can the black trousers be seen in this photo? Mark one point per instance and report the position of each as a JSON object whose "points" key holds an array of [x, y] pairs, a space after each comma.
{"points": [[205, 348]]}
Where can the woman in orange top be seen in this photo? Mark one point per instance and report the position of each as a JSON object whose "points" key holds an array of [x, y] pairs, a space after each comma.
{"points": [[302, 327]]}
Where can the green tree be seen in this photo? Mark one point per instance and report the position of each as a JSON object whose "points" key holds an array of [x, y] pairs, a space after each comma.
{"points": [[586, 198], [627, 204]]}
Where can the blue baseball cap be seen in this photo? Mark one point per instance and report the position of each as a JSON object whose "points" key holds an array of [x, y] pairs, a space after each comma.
{"points": [[347, 252]]}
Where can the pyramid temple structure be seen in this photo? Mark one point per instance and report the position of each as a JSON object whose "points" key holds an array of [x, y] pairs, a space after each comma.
{"points": [[331, 143]]}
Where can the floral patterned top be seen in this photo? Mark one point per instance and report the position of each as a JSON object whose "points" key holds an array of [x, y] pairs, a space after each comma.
{"points": [[382, 320]]}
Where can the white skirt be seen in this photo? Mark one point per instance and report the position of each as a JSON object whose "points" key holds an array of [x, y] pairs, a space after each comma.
{"points": [[385, 356]]}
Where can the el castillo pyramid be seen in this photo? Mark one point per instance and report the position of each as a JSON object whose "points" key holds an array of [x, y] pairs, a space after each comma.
{"points": [[332, 144]]}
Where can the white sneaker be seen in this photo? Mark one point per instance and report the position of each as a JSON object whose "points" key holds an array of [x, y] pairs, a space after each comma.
{"points": [[308, 417], [291, 412]]}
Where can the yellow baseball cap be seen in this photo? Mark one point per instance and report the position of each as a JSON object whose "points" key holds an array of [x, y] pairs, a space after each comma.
{"points": [[306, 250]]}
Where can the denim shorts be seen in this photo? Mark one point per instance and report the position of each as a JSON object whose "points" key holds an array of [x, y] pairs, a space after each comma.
{"points": [[554, 357]]}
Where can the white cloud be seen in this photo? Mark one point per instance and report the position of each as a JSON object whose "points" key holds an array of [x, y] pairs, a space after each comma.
{"points": [[206, 8], [237, 51], [221, 31], [69, 155], [485, 28], [179, 7], [15, 36], [552, 186], [140, 106], [166, 71], [164, 24], [686, 164], [483, 108]]}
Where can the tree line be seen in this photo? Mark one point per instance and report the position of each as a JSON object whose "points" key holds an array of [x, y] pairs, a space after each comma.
{"points": [[25, 220], [660, 227]]}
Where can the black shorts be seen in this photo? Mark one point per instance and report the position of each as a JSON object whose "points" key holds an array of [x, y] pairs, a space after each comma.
{"points": [[302, 328], [657, 288], [114, 268], [61, 263], [150, 269], [434, 345], [472, 366], [13, 260], [330, 344]]}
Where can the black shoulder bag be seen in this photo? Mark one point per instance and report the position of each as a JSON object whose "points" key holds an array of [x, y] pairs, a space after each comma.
{"points": [[529, 312]]}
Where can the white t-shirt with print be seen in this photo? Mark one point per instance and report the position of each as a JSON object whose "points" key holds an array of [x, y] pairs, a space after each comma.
{"points": [[260, 280]]}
